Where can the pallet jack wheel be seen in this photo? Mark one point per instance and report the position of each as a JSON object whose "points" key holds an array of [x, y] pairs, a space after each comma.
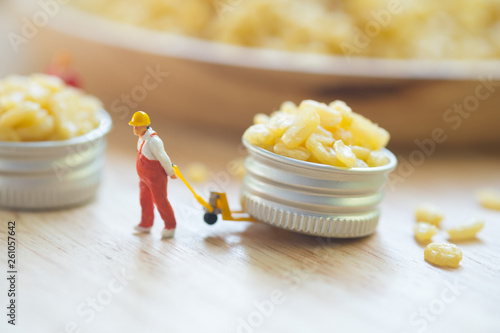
{"points": [[210, 218]]}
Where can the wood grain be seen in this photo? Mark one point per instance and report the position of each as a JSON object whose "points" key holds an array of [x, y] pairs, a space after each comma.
{"points": [[243, 277], [84, 270]]}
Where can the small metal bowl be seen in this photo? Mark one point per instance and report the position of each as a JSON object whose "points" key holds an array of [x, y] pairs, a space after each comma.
{"points": [[312, 198], [53, 174]]}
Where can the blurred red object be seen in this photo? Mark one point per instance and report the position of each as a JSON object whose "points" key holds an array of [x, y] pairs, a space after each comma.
{"points": [[61, 67]]}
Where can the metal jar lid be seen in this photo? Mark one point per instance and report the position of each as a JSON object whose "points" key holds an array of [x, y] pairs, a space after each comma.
{"points": [[52, 174], [313, 198]]}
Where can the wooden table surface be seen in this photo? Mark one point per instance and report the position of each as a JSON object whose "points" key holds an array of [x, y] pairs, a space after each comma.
{"points": [[84, 270]]}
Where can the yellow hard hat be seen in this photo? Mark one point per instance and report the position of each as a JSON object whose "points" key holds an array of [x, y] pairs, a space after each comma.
{"points": [[140, 118]]}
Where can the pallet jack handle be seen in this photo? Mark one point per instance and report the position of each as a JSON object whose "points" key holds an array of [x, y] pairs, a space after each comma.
{"points": [[205, 204]]}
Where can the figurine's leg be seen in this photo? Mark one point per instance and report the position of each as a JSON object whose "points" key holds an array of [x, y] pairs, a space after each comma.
{"points": [[146, 198], [159, 190]]}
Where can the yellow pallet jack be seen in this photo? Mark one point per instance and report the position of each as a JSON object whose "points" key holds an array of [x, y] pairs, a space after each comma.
{"points": [[217, 204]]}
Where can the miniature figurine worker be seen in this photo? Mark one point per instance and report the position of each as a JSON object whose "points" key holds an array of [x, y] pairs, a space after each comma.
{"points": [[154, 167]]}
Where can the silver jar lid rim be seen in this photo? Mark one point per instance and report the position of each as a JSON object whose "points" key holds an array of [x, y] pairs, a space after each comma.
{"points": [[279, 158], [53, 174], [312, 198]]}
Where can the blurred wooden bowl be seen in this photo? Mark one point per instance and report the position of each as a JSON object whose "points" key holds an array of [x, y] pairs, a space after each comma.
{"points": [[223, 85]]}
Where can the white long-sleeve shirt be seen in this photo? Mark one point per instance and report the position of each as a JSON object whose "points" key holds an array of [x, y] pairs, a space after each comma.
{"points": [[153, 150]]}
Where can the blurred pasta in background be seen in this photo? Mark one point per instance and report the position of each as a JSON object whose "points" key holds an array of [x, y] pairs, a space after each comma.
{"points": [[458, 29], [42, 107]]}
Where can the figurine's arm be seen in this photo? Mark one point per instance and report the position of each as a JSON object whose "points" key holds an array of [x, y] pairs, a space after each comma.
{"points": [[158, 151]]}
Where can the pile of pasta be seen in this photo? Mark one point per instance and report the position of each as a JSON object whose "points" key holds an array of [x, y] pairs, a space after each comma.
{"points": [[40, 107], [322, 133], [459, 29]]}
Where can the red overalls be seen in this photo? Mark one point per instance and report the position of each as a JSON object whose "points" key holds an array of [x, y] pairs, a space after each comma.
{"points": [[153, 188]]}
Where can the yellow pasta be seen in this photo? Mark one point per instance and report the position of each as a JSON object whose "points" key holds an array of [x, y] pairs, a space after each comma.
{"points": [[320, 133], [367, 134], [38, 131], [424, 231], [298, 153], [305, 124], [23, 114], [8, 134], [344, 153], [376, 158], [459, 29], [429, 213], [361, 152], [489, 198], [321, 153], [40, 107], [259, 135], [197, 172], [467, 230], [323, 136], [329, 118], [260, 118], [443, 254]]}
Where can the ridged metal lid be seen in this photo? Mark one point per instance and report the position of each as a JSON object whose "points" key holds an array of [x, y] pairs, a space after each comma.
{"points": [[52, 174], [313, 198]]}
